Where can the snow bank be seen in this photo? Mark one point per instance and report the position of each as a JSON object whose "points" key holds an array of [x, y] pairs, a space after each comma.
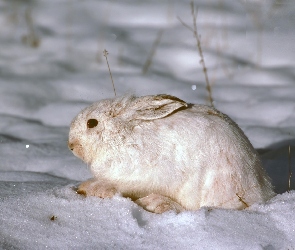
{"points": [[249, 53]]}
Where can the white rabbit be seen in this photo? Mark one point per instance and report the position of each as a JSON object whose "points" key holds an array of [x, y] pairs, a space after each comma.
{"points": [[166, 154]]}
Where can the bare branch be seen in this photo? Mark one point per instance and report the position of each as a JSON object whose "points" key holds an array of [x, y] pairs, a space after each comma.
{"points": [[152, 52], [202, 61]]}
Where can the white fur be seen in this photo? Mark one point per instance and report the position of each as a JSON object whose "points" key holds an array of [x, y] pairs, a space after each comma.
{"points": [[161, 148]]}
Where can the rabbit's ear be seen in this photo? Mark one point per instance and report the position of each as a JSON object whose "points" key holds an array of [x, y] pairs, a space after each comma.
{"points": [[156, 106]]}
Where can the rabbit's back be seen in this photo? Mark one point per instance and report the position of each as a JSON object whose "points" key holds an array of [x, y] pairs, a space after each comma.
{"points": [[203, 153]]}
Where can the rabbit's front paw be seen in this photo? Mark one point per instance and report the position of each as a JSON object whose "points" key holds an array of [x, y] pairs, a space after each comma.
{"points": [[96, 188], [158, 204]]}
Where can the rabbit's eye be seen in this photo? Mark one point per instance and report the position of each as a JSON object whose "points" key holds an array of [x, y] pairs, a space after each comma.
{"points": [[91, 123]]}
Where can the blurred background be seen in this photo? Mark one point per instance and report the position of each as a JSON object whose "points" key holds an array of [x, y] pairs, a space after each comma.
{"points": [[52, 64]]}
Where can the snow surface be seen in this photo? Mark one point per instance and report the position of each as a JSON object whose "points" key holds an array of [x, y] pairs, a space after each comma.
{"points": [[249, 51]]}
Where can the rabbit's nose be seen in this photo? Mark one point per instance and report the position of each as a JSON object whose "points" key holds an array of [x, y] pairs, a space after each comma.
{"points": [[71, 146]]}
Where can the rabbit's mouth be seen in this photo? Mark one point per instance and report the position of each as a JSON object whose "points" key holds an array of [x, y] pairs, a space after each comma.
{"points": [[71, 146], [76, 149]]}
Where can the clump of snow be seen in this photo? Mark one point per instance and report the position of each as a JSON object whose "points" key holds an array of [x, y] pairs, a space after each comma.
{"points": [[249, 53]]}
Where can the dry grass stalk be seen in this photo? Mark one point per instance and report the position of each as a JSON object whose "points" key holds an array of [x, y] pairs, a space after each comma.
{"points": [[256, 15], [199, 46], [149, 60], [69, 26], [105, 53], [241, 200], [202, 61], [290, 169], [30, 39]]}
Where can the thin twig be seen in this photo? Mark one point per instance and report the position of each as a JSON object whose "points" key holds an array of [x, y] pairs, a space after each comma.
{"points": [[290, 170], [30, 39], [105, 53], [148, 62], [202, 61], [241, 200], [185, 25]]}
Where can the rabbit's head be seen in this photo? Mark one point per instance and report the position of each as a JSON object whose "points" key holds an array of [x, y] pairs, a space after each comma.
{"points": [[101, 127]]}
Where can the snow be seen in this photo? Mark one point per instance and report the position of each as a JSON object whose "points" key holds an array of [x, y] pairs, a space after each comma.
{"points": [[249, 51]]}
